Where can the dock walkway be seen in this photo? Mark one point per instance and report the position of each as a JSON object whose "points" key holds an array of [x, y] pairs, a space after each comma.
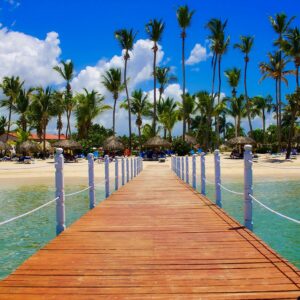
{"points": [[155, 238]]}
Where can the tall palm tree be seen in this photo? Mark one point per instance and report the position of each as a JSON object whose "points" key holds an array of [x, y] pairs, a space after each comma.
{"points": [[89, 106], [112, 80], [184, 17], [11, 87], [245, 47], [140, 107], [291, 47], [187, 108], [218, 45], [264, 106], [42, 108], [3, 124], [155, 30], [66, 71], [233, 76], [164, 77], [276, 69], [59, 108], [126, 39]]}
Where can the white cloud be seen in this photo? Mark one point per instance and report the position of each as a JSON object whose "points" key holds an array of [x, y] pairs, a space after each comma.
{"points": [[28, 57], [198, 54]]}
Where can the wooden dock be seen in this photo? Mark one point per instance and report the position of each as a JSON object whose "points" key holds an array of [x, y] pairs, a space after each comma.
{"points": [[155, 238]]}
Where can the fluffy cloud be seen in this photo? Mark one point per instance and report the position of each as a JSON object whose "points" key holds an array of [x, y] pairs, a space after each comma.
{"points": [[28, 57], [198, 54]]}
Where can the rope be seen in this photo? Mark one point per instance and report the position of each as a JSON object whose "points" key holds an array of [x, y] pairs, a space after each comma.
{"points": [[275, 167], [230, 191], [28, 168], [274, 211], [207, 181], [78, 192], [28, 213]]}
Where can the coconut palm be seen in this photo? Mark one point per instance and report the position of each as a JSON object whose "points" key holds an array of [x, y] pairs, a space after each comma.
{"points": [[42, 108], [89, 106], [184, 17], [155, 30], [126, 39], [233, 76], [140, 107], [263, 106], [59, 108], [11, 87], [187, 108], [66, 71], [276, 69], [3, 124], [164, 77], [245, 47], [112, 80], [291, 47]]}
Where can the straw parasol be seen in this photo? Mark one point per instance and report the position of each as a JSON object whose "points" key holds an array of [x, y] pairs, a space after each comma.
{"points": [[4, 146], [241, 140], [67, 144], [48, 145], [157, 141], [29, 146], [190, 139], [113, 143]]}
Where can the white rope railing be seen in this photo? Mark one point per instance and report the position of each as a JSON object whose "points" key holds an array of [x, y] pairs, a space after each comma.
{"points": [[26, 168], [276, 167], [274, 211], [209, 182], [230, 191], [28, 213], [78, 192]]}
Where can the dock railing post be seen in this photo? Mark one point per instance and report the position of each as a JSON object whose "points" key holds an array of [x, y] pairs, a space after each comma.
{"points": [[134, 167], [248, 188], [123, 171], [131, 168], [182, 168], [187, 169], [60, 191], [194, 172], [127, 169], [91, 180], [203, 190], [106, 169], [218, 178], [116, 173]]}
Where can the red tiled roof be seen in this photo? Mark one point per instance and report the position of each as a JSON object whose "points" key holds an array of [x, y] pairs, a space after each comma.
{"points": [[49, 136]]}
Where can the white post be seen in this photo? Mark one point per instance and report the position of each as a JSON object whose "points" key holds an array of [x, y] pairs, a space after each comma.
{"points": [[123, 171], [182, 168], [127, 169], [116, 173], [194, 172], [131, 167], [203, 191], [187, 169], [134, 167], [178, 166], [91, 180], [60, 191], [248, 189], [218, 178], [106, 168]]}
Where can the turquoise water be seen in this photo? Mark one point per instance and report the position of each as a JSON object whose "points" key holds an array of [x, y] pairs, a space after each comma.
{"points": [[282, 196]]}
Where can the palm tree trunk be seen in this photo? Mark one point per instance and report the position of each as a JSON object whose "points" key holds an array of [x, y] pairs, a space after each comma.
{"points": [[170, 135], [264, 125], [140, 137], [297, 77], [246, 96], [128, 100], [235, 126], [291, 131], [68, 118], [69, 124], [44, 140], [165, 132], [183, 85], [59, 126], [114, 116], [279, 111], [9, 120], [154, 87], [160, 95], [213, 99], [219, 94]]}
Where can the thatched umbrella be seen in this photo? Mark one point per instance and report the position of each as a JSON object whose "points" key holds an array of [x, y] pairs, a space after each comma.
{"points": [[113, 143], [157, 141], [4, 146], [67, 144], [48, 145], [241, 140], [29, 147], [190, 139]]}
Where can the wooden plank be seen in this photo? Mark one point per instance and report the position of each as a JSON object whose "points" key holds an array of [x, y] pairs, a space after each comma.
{"points": [[155, 238]]}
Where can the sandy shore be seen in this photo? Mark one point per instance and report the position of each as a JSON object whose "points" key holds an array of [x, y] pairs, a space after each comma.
{"points": [[42, 172]]}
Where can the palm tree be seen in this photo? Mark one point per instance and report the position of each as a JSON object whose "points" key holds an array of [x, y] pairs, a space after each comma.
{"points": [[184, 17], [59, 108], [3, 124], [67, 73], [291, 47], [11, 87], [155, 30], [163, 77], [140, 107], [275, 69], [42, 108], [89, 106], [245, 46], [218, 45], [112, 80], [187, 108], [264, 106], [126, 39], [233, 76]]}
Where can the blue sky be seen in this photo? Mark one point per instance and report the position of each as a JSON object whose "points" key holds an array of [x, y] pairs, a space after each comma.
{"points": [[85, 30]]}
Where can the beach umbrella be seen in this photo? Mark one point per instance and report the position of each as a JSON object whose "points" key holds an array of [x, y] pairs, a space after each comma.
{"points": [[48, 145], [29, 146], [4, 146], [241, 140], [113, 143], [157, 141], [190, 139], [67, 144]]}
